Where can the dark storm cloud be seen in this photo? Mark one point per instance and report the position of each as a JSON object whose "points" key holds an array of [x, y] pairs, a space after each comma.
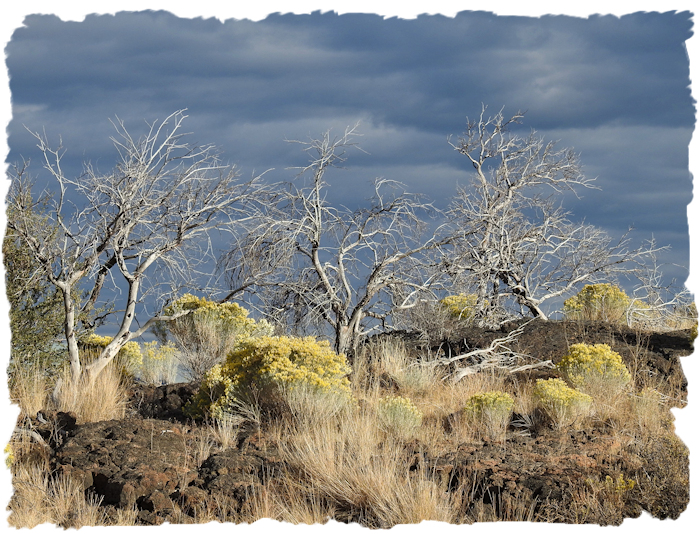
{"points": [[616, 89], [426, 72]]}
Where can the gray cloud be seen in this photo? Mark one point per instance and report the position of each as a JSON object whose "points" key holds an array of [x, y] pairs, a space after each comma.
{"points": [[616, 89]]}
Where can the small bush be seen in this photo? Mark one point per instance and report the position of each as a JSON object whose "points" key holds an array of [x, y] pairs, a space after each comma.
{"points": [[399, 416], [462, 307], [159, 363], [598, 302], [267, 365], [127, 360], [491, 409], [205, 335], [564, 405], [595, 369]]}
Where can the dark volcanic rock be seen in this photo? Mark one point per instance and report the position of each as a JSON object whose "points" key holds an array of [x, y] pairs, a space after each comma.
{"points": [[657, 354], [151, 464], [126, 461], [162, 402]]}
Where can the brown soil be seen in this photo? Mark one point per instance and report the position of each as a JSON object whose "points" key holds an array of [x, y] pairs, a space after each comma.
{"points": [[152, 459]]}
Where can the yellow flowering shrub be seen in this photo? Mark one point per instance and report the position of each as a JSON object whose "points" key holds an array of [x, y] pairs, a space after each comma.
{"points": [[460, 306], [128, 358], [491, 409], [598, 302], [594, 369], [399, 416], [209, 332], [269, 364], [154, 351], [215, 394], [229, 318], [564, 405], [159, 363], [10, 455]]}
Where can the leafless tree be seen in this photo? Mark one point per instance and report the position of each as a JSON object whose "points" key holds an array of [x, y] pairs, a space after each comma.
{"points": [[658, 305], [515, 241], [320, 264], [143, 227], [498, 355]]}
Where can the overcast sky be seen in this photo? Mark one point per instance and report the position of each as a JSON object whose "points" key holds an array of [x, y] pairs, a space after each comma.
{"points": [[616, 89]]}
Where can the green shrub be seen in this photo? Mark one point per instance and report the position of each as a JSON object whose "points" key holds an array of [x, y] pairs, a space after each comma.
{"points": [[595, 369], [491, 409], [564, 405], [267, 366], [462, 307], [598, 302], [399, 416]]}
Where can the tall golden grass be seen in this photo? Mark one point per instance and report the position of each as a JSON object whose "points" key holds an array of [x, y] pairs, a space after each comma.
{"points": [[103, 398], [39, 499], [29, 388]]}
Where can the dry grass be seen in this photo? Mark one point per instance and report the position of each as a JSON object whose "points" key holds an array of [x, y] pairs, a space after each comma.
{"points": [[30, 388], [341, 463], [102, 399], [285, 500], [40, 499], [361, 474], [497, 507], [225, 430], [640, 417], [411, 373], [309, 406], [607, 402]]}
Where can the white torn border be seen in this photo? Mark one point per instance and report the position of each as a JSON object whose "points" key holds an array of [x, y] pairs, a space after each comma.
{"points": [[687, 420]]}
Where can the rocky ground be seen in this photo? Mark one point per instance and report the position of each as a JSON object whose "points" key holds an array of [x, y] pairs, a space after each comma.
{"points": [[154, 459]]}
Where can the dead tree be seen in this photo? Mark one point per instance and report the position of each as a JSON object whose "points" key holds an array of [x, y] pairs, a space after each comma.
{"points": [[497, 356], [345, 268], [143, 227], [515, 242], [658, 305]]}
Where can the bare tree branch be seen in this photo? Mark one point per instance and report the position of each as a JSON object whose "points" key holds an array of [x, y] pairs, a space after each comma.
{"points": [[498, 355], [514, 243], [318, 264], [147, 222]]}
